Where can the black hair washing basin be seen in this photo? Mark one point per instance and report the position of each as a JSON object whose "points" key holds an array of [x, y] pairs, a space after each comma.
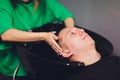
{"points": [[42, 62]]}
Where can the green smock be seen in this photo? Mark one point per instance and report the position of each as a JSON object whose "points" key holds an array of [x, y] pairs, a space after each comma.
{"points": [[22, 17]]}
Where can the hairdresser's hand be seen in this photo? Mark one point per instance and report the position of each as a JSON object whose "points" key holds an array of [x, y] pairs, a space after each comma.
{"points": [[51, 38]]}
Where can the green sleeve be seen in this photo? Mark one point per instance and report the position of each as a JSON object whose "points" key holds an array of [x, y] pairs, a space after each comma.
{"points": [[5, 15], [59, 10]]}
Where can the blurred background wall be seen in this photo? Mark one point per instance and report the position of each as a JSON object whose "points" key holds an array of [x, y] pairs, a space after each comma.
{"points": [[101, 16]]}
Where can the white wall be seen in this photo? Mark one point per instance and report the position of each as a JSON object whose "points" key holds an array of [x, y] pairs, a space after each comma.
{"points": [[101, 16]]}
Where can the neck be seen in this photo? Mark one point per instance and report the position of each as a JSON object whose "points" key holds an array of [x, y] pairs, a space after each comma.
{"points": [[88, 57], [36, 3]]}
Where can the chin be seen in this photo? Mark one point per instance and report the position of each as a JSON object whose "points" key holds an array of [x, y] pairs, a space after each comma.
{"points": [[25, 0]]}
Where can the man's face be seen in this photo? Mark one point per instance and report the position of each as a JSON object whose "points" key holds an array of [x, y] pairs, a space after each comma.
{"points": [[75, 39]]}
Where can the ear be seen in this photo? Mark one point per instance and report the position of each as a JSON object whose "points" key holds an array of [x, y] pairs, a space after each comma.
{"points": [[66, 53]]}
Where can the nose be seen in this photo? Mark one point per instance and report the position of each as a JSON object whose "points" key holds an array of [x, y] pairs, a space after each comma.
{"points": [[80, 31], [77, 31]]}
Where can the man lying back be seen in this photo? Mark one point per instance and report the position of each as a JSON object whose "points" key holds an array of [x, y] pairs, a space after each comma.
{"points": [[79, 46]]}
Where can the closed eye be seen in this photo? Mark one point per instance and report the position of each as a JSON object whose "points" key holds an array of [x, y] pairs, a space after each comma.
{"points": [[71, 33]]}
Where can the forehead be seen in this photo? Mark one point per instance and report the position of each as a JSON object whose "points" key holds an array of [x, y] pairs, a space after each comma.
{"points": [[65, 30]]}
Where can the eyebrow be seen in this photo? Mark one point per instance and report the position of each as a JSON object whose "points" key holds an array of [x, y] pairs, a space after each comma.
{"points": [[69, 31]]}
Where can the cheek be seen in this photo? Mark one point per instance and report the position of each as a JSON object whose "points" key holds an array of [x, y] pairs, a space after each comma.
{"points": [[76, 43]]}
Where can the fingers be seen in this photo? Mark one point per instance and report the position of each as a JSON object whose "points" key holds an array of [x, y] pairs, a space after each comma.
{"points": [[56, 47], [51, 40], [55, 37]]}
